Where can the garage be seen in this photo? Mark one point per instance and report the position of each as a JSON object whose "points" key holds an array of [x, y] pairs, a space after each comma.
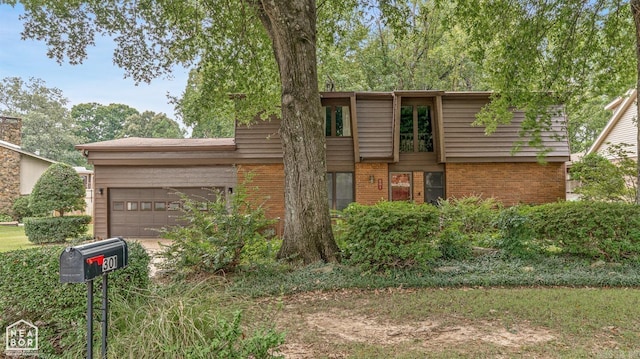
{"points": [[141, 212]]}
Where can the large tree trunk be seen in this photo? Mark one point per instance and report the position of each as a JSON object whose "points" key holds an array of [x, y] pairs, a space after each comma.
{"points": [[291, 24], [635, 10]]}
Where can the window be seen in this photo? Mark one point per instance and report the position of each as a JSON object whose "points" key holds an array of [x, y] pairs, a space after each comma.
{"points": [[159, 206], [416, 130], [433, 187], [340, 188], [400, 186], [174, 206], [132, 206], [337, 121], [118, 206], [145, 206]]}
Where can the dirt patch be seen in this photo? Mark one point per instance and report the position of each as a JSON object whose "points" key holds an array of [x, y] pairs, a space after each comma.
{"points": [[344, 326]]}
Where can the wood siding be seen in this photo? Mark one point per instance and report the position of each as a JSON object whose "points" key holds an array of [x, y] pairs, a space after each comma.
{"points": [[340, 154], [107, 177], [466, 143], [375, 128], [260, 140]]}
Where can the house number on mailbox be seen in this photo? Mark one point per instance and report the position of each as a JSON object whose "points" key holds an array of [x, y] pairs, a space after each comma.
{"points": [[110, 263]]}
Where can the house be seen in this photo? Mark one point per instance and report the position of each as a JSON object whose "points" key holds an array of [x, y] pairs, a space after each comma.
{"points": [[621, 129], [21, 169], [401, 145]]}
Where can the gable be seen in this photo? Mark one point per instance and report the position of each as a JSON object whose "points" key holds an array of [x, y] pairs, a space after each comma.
{"points": [[621, 128]]}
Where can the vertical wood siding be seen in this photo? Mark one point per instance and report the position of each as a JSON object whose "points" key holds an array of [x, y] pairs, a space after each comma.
{"points": [[375, 128]]}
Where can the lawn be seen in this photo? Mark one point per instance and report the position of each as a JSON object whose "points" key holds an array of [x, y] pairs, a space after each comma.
{"points": [[12, 238]]}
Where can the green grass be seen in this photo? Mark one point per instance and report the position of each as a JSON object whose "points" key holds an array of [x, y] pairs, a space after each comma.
{"points": [[12, 238]]}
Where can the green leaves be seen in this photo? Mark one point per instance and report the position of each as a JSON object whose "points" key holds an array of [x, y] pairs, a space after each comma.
{"points": [[59, 189]]}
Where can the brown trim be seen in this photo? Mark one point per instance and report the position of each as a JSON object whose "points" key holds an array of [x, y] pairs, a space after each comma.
{"points": [[469, 94], [374, 95], [331, 95], [439, 130], [515, 159], [419, 93], [354, 128], [397, 103]]}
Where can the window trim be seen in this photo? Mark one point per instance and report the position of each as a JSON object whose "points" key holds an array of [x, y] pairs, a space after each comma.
{"points": [[444, 184], [334, 200], [415, 103], [332, 104], [410, 185]]}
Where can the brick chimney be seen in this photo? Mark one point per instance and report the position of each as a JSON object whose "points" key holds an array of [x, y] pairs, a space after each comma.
{"points": [[10, 130]]}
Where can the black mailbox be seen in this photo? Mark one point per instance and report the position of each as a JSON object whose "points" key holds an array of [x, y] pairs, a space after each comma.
{"points": [[85, 262]]}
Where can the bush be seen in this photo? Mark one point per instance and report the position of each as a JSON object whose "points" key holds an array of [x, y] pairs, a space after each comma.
{"points": [[472, 217], [21, 208], [59, 189], [31, 290], [390, 235], [517, 235], [55, 229], [5, 217], [594, 230], [215, 240]]}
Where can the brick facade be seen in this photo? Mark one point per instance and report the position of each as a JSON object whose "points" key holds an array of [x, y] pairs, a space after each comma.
{"points": [[511, 183], [370, 193], [266, 186], [10, 129]]}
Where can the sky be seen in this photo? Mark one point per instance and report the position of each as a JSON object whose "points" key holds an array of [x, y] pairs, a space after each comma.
{"points": [[96, 80]]}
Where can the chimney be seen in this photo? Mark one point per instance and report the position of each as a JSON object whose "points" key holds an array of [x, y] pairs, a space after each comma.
{"points": [[10, 130]]}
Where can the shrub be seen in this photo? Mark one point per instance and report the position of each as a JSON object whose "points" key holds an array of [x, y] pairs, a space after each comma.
{"points": [[390, 235], [473, 217], [31, 290], [5, 217], [55, 229], [594, 230], [59, 189], [21, 208], [214, 240], [454, 243], [517, 234]]}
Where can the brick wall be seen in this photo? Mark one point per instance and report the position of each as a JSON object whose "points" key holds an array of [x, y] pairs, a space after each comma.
{"points": [[369, 193], [10, 171], [266, 186], [511, 183]]}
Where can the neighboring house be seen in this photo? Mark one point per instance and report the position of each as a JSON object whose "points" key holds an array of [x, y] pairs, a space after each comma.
{"points": [[621, 128], [402, 145], [21, 169]]}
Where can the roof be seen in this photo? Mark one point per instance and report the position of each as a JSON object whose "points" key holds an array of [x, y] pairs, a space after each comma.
{"points": [[138, 144], [620, 107], [16, 148]]}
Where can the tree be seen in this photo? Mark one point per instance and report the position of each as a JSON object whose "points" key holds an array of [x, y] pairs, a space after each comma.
{"points": [[539, 53], [59, 189], [94, 122], [150, 125], [606, 178], [235, 44], [45, 118]]}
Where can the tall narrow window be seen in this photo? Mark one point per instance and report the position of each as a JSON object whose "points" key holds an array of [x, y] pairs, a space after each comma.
{"points": [[337, 121], [416, 130], [400, 186], [340, 189], [433, 187]]}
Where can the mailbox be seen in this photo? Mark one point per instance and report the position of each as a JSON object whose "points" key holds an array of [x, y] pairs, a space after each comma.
{"points": [[85, 262]]}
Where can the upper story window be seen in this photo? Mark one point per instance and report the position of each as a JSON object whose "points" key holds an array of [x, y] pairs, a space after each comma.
{"points": [[416, 127], [337, 118]]}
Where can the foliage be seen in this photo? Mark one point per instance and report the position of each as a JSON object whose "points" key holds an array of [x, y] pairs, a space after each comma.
{"points": [[390, 235], [20, 208], [609, 177], [94, 122], [531, 49], [215, 235], [59, 189], [45, 118], [186, 321], [517, 237], [150, 125], [31, 290], [473, 217], [5, 217], [41, 230], [594, 230]]}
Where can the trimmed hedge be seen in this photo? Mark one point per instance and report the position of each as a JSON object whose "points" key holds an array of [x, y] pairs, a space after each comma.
{"points": [[55, 229], [390, 235], [31, 290]]}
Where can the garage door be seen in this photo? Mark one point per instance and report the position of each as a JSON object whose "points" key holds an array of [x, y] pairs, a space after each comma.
{"points": [[141, 212]]}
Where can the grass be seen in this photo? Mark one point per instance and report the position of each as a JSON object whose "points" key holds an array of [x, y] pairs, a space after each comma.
{"points": [[12, 238]]}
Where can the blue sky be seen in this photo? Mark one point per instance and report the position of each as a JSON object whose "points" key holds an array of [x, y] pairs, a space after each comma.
{"points": [[96, 80]]}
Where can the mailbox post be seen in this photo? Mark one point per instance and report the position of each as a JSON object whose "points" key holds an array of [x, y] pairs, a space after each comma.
{"points": [[84, 263]]}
